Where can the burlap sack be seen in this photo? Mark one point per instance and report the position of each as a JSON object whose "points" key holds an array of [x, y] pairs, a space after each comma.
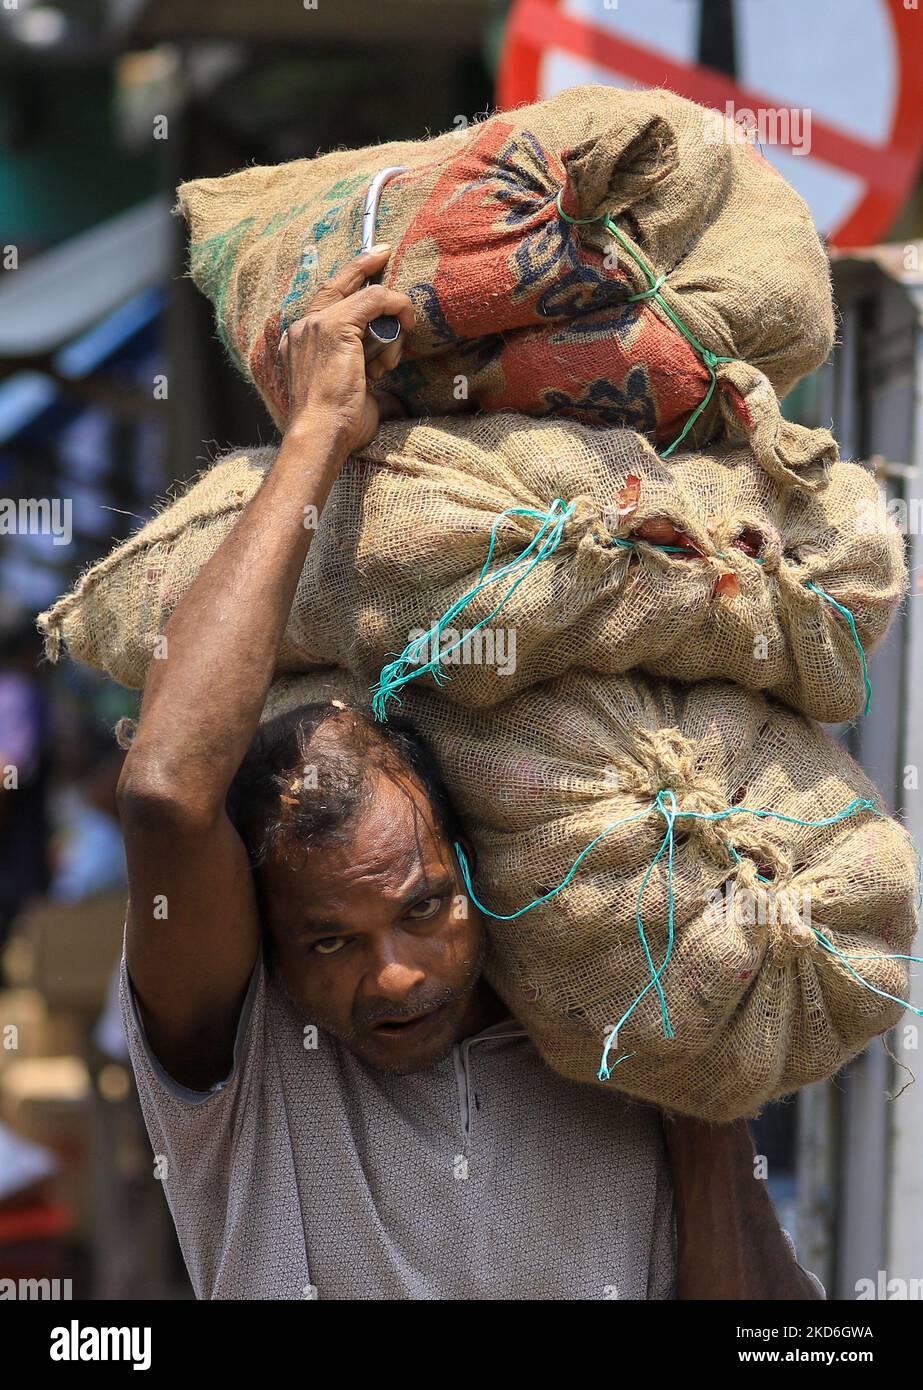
{"points": [[406, 532], [520, 309], [758, 1004]]}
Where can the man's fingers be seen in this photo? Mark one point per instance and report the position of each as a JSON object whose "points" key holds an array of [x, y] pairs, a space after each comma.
{"points": [[351, 277], [376, 301], [387, 360], [358, 310]]}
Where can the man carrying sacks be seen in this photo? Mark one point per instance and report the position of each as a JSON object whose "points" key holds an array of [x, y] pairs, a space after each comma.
{"points": [[344, 1107], [663, 885]]}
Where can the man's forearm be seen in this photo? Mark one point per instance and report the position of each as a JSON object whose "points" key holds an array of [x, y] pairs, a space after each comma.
{"points": [[729, 1242], [232, 620]]}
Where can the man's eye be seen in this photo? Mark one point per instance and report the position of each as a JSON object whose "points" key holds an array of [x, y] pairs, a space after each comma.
{"points": [[427, 907], [329, 945]]}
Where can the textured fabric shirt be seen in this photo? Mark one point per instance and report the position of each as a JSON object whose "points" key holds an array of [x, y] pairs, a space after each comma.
{"points": [[307, 1174]]}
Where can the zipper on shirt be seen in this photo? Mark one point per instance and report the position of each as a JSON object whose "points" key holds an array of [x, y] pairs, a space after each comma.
{"points": [[461, 1058]]}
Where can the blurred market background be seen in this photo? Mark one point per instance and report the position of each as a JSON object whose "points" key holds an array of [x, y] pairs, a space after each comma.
{"points": [[113, 385]]}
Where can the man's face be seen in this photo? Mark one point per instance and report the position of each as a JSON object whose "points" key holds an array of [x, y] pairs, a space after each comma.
{"points": [[375, 940]]}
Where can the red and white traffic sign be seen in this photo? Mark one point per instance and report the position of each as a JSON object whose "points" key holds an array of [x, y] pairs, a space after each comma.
{"points": [[831, 89]]}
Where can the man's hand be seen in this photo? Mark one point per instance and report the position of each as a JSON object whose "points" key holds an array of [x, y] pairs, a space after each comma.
{"points": [[324, 359], [730, 1243]]}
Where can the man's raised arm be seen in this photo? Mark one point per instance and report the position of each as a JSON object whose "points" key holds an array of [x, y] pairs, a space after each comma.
{"points": [[193, 929]]}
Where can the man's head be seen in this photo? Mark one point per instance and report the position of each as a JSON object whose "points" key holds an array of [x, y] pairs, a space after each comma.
{"points": [[365, 916]]}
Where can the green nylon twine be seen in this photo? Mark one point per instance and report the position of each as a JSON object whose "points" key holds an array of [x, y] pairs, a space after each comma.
{"points": [[665, 805], [544, 543], [655, 283], [855, 636]]}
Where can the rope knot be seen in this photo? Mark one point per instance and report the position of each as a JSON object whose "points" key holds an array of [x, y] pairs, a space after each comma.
{"points": [[664, 761], [762, 864], [651, 293]]}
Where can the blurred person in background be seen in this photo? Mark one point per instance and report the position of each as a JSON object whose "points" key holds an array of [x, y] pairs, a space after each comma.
{"points": [[24, 775], [87, 854], [88, 859]]}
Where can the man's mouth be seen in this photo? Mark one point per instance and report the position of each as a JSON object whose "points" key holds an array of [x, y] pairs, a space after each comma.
{"points": [[396, 1029]]}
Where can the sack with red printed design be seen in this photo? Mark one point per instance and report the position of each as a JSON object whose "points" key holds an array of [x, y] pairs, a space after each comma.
{"points": [[551, 253]]}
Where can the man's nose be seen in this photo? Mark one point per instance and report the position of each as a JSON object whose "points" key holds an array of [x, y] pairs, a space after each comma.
{"points": [[394, 978]]}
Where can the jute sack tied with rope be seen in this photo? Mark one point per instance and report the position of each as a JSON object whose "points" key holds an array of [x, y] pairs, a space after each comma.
{"points": [[620, 257], [407, 529], [787, 937]]}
